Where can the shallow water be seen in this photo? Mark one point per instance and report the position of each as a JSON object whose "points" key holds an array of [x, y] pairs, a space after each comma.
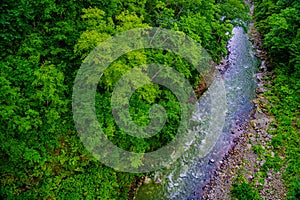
{"points": [[226, 103]]}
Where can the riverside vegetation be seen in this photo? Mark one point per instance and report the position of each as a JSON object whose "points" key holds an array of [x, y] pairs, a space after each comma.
{"points": [[43, 44], [279, 25]]}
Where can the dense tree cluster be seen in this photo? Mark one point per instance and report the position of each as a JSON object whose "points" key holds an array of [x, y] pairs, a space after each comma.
{"points": [[43, 44], [279, 23]]}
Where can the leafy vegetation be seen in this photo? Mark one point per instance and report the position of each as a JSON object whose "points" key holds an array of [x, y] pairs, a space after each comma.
{"points": [[43, 45], [244, 191], [279, 23]]}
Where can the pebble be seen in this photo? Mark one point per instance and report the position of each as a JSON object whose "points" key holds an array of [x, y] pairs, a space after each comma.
{"points": [[147, 180], [220, 185], [158, 180]]}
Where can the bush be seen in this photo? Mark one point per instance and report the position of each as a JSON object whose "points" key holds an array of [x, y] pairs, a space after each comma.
{"points": [[244, 191]]}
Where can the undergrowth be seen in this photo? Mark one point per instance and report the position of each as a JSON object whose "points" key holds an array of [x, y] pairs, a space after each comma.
{"points": [[285, 99], [242, 190]]}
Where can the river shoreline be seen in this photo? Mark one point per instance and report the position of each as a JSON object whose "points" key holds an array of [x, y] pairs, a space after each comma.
{"points": [[241, 160]]}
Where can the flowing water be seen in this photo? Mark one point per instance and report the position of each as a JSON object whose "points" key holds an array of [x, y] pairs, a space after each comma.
{"points": [[227, 102]]}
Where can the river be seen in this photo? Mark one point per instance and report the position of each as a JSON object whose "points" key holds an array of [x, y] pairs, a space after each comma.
{"points": [[193, 169]]}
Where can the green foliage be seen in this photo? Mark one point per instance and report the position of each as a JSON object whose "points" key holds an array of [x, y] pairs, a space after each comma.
{"points": [[285, 99], [44, 43], [279, 22], [244, 191], [295, 194], [258, 149], [233, 10]]}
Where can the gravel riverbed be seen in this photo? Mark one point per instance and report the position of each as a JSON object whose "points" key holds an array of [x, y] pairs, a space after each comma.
{"points": [[241, 160]]}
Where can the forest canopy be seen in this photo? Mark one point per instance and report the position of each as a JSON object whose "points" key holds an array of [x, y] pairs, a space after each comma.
{"points": [[43, 44], [279, 23]]}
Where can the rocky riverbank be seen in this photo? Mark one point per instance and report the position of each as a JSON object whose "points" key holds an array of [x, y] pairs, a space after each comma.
{"points": [[244, 160]]}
